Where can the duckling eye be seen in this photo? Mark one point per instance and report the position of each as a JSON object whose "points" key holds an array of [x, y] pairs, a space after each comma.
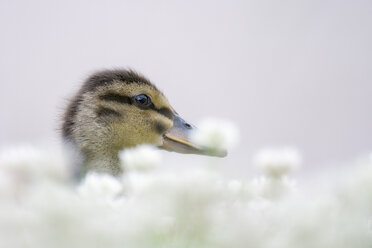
{"points": [[143, 100]]}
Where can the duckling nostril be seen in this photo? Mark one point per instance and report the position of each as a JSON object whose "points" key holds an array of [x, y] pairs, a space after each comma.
{"points": [[187, 125]]}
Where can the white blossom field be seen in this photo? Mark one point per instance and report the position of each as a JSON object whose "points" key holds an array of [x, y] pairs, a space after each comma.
{"points": [[151, 205]]}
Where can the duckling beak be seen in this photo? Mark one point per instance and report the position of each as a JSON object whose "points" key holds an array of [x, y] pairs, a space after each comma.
{"points": [[177, 139]]}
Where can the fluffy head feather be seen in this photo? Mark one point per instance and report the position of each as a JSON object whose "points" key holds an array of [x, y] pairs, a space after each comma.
{"points": [[103, 118]]}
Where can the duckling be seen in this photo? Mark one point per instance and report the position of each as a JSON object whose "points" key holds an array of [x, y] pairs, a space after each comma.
{"points": [[118, 109]]}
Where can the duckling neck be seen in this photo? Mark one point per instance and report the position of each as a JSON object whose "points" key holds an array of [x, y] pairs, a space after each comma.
{"points": [[103, 163]]}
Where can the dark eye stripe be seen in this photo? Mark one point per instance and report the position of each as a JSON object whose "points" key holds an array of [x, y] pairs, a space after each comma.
{"points": [[102, 111], [160, 128], [128, 100], [165, 112], [116, 98]]}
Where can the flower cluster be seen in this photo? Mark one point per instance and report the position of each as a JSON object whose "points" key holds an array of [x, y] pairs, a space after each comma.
{"points": [[216, 134], [275, 165], [142, 157], [200, 207]]}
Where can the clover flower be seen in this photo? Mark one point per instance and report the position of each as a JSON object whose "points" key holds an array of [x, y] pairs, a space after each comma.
{"points": [[99, 186], [31, 163], [276, 163], [142, 157], [196, 207], [216, 134]]}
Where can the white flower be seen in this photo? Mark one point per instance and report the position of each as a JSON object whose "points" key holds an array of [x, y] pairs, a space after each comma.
{"points": [[273, 188], [189, 208], [141, 157], [277, 162], [27, 163], [216, 134], [98, 185]]}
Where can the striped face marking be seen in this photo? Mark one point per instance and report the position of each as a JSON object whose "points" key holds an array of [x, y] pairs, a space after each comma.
{"points": [[114, 97], [103, 112], [123, 99], [113, 87], [160, 128]]}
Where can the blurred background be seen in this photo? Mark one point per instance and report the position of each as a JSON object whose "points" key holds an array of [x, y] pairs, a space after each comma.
{"points": [[294, 73]]}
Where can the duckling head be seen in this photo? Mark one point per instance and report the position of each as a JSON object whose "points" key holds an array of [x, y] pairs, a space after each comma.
{"points": [[118, 109]]}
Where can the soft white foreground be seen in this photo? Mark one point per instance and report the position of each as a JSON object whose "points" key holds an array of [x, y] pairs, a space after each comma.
{"points": [[148, 207]]}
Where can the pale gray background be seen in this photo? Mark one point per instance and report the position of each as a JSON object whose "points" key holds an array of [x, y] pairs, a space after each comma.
{"points": [[287, 72]]}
